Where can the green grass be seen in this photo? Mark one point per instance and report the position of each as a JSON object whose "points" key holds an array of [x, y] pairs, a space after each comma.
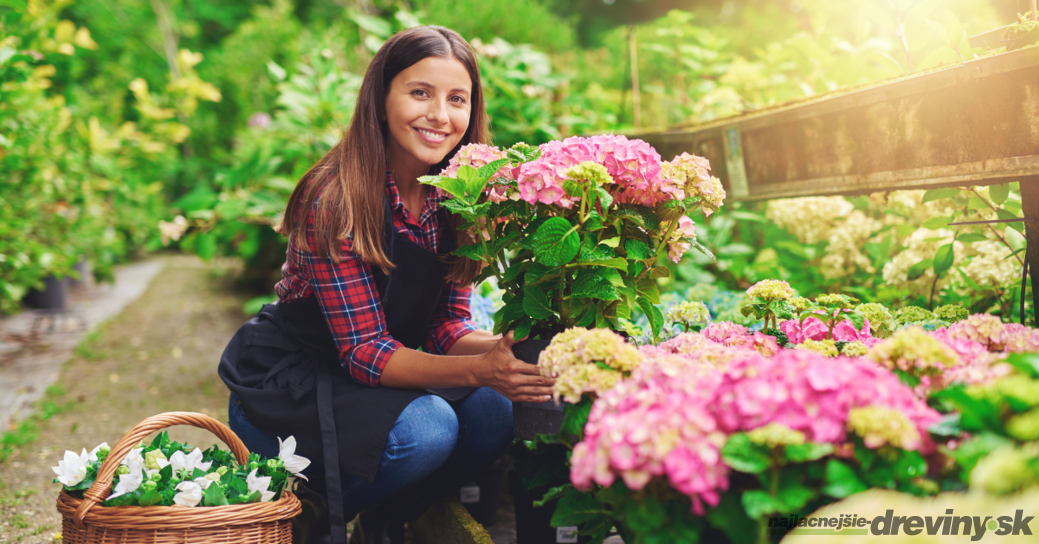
{"points": [[29, 429]]}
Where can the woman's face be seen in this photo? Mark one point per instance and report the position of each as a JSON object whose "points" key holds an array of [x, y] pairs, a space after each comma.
{"points": [[427, 110]]}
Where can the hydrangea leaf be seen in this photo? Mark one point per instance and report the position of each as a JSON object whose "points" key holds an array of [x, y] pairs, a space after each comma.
{"points": [[745, 456], [522, 330], [536, 304], [758, 503], [556, 242], [452, 186], [575, 508], [644, 515], [841, 480], [648, 288], [594, 285], [800, 453], [553, 494], [486, 171], [471, 251], [575, 417], [793, 495], [659, 272], [730, 517], [637, 249], [593, 222]]}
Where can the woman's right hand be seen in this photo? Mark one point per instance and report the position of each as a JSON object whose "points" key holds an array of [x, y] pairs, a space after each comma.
{"points": [[500, 370]]}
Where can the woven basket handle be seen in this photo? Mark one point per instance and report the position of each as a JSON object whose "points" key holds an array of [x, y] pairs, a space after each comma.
{"points": [[102, 486]]}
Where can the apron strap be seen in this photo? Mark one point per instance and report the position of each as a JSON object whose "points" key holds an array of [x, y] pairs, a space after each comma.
{"points": [[330, 445]]}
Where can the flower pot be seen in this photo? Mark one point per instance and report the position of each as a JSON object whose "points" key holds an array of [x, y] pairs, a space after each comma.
{"points": [[532, 418], [83, 271], [482, 495], [532, 523], [54, 295]]}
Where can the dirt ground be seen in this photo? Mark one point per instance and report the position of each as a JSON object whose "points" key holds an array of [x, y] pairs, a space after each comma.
{"points": [[160, 354]]}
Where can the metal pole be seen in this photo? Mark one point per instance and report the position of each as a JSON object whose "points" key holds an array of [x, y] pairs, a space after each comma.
{"points": [[1030, 207]]}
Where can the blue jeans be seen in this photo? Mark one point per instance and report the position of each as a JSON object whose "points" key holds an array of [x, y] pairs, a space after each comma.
{"points": [[433, 447]]}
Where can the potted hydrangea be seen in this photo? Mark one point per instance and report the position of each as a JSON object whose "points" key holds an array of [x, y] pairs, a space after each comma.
{"points": [[572, 231]]}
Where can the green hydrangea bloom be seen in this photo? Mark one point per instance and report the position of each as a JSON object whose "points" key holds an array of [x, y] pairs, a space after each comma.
{"points": [[1024, 426], [854, 349], [913, 350], [771, 290], [1022, 389], [834, 301], [880, 425], [776, 434], [825, 347], [689, 313], [1005, 470], [910, 314], [951, 313], [590, 171], [800, 303], [881, 322]]}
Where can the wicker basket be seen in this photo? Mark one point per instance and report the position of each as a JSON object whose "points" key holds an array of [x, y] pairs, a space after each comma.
{"points": [[266, 522]]}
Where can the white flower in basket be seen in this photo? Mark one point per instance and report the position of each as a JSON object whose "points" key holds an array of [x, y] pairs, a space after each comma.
{"points": [[73, 468], [128, 483], [190, 494], [189, 462], [260, 483], [287, 453]]}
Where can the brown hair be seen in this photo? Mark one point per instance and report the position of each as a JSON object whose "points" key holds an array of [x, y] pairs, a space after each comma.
{"points": [[351, 177]]}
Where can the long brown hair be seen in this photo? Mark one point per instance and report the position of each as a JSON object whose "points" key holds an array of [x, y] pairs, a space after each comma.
{"points": [[351, 177]]}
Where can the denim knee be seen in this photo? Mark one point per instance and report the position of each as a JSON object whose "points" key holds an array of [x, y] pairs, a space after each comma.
{"points": [[495, 413], [427, 430]]}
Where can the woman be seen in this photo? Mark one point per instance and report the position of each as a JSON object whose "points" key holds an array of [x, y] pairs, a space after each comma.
{"points": [[367, 282]]}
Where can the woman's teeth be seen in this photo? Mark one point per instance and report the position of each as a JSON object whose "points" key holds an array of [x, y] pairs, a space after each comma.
{"points": [[434, 136]]}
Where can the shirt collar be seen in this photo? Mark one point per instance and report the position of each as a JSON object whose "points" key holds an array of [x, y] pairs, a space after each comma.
{"points": [[434, 198]]}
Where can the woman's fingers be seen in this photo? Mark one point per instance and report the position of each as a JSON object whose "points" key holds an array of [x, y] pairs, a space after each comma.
{"points": [[523, 368]]}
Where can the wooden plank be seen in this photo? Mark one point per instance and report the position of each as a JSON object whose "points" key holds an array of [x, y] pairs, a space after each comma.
{"points": [[972, 124]]}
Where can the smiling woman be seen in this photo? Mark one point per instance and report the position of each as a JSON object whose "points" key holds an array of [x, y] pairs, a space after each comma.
{"points": [[367, 283]]}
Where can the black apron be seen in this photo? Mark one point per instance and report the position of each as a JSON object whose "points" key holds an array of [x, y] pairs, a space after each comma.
{"points": [[284, 366]]}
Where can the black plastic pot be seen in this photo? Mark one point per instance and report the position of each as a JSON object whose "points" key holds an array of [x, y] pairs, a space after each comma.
{"points": [[54, 295], [532, 418], [482, 496], [533, 524], [82, 270]]}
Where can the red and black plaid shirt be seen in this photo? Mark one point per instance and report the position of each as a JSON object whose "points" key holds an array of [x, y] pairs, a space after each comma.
{"points": [[350, 300]]}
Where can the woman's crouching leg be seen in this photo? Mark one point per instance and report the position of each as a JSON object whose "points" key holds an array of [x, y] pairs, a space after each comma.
{"points": [[419, 443]]}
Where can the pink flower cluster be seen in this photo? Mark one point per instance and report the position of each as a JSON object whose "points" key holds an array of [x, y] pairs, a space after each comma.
{"points": [[477, 155], [990, 331], [674, 414], [733, 335], [633, 164], [814, 329]]}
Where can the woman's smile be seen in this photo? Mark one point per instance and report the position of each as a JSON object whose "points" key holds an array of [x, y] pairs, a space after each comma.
{"points": [[432, 136]]}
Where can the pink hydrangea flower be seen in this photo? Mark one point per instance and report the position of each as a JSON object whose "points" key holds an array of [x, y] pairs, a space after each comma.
{"points": [[845, 331], [1021, 339], [986, 329], [812, 329], [721, 331]]}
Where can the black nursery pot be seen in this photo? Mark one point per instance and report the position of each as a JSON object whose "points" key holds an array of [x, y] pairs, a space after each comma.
{"points": [[532, 523], [54, 295], [532, 418]]}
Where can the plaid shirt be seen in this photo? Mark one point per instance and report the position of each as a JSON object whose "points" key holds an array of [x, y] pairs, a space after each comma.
{"points": [[350, 300]]}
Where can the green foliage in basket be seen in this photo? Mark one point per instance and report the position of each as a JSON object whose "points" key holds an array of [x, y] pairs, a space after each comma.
{"points": [[167, 473]]}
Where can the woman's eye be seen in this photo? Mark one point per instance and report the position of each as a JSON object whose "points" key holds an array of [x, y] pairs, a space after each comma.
{"points": [[458, 99], [418, 92]]}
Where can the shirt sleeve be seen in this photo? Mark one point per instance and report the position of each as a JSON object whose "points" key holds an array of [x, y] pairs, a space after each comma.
{"points": [[451, 320], [350, 302]]}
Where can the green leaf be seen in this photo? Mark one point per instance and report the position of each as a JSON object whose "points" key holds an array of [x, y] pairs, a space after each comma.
{"points": [[971, 237], [486, 171], [507, 315], [700, 247], [999, 193], [150, 498], [800, 453], [730, 517], [575, 417], [644, 515], [214, 495], [648, 288], [948, 425], [637, 249], [758, 503], [556, 242], [938, 194], [453, 186], [574, 509], [522, 330], [936, 223], [745, 456], [918, 269], [943, 259], [656, 319], [553, 494], [592, 286], [841, 480], [1006, 215], [659, 272], [471, 251], [205, 245], [536, 303]]}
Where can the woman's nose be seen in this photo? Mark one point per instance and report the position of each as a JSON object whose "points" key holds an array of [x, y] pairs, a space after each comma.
{"points": [[437, 112]]}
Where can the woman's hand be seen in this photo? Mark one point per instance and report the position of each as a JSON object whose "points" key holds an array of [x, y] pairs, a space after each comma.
{"points": [[516, 380]]}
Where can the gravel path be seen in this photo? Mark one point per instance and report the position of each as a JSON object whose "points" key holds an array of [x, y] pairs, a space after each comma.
{"points": [[158, 355]]}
